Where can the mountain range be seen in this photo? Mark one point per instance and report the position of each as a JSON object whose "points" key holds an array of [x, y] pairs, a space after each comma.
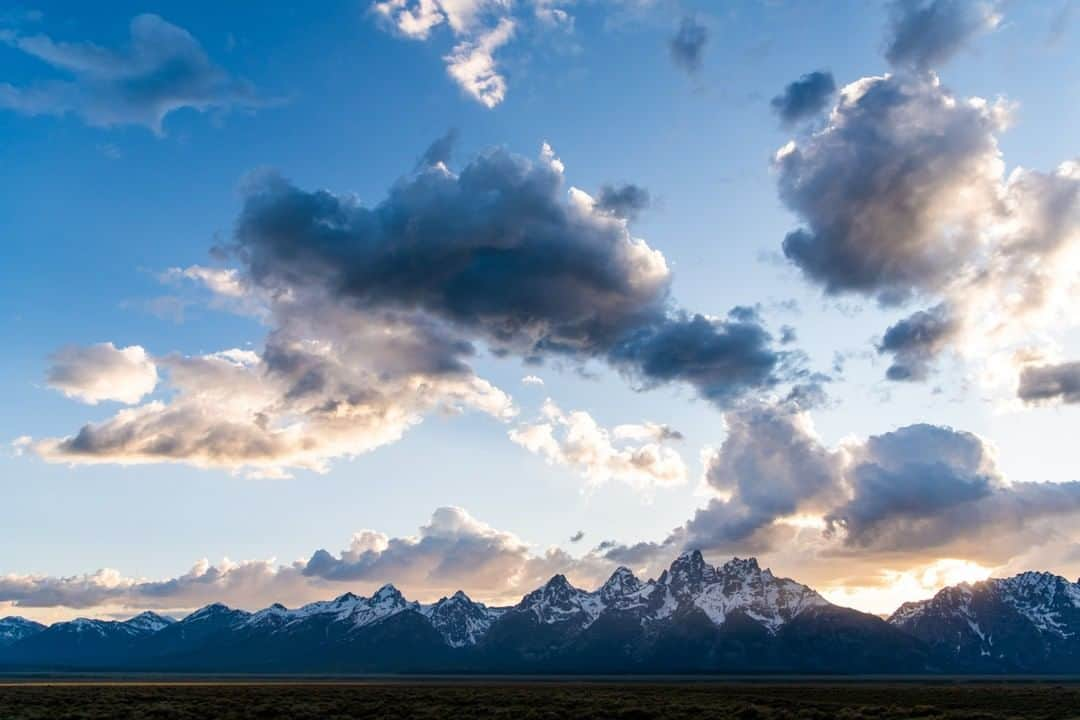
{"points": [[694, 618]]}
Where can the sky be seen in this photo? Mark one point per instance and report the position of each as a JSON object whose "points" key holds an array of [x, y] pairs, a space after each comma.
{"points": [[459, 294]]}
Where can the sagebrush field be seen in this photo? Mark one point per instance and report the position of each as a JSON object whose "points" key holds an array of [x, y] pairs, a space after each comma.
{"points": [[521, 701]]}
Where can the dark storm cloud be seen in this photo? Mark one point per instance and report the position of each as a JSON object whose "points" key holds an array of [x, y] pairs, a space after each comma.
{"points": [[687, 46], [499, 254], [721, 358], [1049, 383], [888, 189], [624, 201], [495, 249], [162, 69], [924, 35], [804, 98], [916, 341]]}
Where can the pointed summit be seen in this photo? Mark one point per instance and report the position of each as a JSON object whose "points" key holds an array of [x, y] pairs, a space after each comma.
{"points": [[689, 572], [621, 583]]}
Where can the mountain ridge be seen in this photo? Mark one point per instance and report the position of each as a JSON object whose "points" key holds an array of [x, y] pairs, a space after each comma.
{"points": [[695, 617]]}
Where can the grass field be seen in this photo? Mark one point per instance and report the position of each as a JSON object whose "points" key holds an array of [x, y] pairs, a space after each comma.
{"points": [[521, 701]]}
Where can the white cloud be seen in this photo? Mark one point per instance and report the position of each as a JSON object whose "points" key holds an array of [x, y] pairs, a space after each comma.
{"points": [[472, 64], [103, 372], [633, 454]]}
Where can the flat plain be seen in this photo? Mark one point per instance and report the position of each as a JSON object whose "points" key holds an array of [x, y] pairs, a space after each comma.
{"points": [[524, 700]]}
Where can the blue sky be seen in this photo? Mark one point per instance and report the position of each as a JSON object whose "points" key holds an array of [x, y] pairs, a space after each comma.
{"points": [[99, 203]]}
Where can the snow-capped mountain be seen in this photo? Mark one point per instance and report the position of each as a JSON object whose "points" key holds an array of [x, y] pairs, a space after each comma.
{"points": [[350, 611], [459, 620], [13, 629], [148, 622], [695, 617], [690, 582], [1025, 622]]}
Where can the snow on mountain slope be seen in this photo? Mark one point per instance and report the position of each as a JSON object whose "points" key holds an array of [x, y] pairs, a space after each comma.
{"points": [[351, 610], [148, 622], [459, 620], [1051, 603], [13, 629], [689, 583]]}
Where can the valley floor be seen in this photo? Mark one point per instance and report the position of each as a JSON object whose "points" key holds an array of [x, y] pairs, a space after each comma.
{"points": [[519, 700]]}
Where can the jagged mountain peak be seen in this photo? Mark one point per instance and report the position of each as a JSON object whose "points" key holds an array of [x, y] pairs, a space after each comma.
{"points": [[622, 583], [460, 620], [741, 566]]}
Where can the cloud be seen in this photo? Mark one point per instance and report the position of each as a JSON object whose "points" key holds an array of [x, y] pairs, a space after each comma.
{"points": [[479, 28], [103, 372], [805, 98], [687, 45], [894, 500], [623, 201], [375, 314], [532, 380], [162, 69], [578, 536], [889, 188], [721, 358], [440, 151], [904, 198], [925, 34], [770, 465], [1049, 383], [916, 340], [472, 64], [299, 404], [503, 253], [633, 454], [453, 551]]}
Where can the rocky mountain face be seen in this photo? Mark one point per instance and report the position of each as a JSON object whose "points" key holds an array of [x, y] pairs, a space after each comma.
{"points": [[1026, 623], [695, 617]]}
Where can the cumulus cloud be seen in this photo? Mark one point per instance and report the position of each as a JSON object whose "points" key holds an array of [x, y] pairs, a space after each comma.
{"points": [[687, 45], [889, 188], [532, 380], [299, 404], [804, 98], [897, 500], [904, 198], [770, 465], [161, 69], [375, 314], [502, 252], [451, 552], [1050, 383], [924, 34], [103, 372], [635, 454]]}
